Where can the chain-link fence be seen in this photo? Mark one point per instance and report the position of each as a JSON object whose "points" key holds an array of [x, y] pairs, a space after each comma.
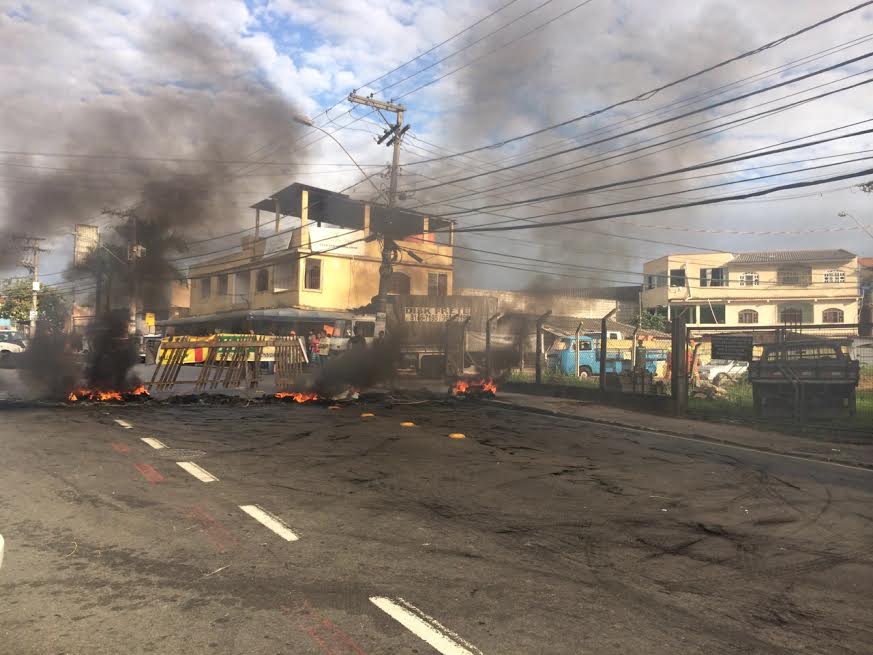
{"points": [[805, 374]]}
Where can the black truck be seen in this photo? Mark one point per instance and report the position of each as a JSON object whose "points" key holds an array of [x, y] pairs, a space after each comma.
{"points": [[809, 377]]}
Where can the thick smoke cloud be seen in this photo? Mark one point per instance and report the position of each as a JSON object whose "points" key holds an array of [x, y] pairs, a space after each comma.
{"points": [[199, 100], [552, 75]]}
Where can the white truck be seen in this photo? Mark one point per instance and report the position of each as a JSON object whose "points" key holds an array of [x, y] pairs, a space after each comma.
{"points": [[12, 343]]}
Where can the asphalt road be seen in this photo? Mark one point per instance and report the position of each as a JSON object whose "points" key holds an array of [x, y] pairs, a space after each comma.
{"points": [[361, 536]]}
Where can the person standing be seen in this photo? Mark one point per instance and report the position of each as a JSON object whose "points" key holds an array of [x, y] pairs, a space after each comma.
{"points": [[323, 348], [312, 345], [357, 342]]}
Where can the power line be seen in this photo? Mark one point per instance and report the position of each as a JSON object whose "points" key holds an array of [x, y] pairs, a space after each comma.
{"points": [[382, 90], [684, 169], [648, 94], [500, 47], [539, 260], [664, 121], [681, 102], [794, 185], [678, 141]]}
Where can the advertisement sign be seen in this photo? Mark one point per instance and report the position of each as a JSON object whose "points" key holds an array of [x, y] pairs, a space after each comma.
{"points": [[434, 314]]}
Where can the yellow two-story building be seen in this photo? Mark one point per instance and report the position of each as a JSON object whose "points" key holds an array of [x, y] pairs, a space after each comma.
{"points": [[314, 249], [766, 288]]}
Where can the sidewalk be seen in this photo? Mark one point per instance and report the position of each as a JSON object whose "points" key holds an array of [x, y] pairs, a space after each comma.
{"points": [[854, 453]]}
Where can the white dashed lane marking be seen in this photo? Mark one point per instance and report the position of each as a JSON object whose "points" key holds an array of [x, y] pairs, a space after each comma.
{"points": [[269, 521], [124, 424], [425, 627], [198, 472], [154, 443]]}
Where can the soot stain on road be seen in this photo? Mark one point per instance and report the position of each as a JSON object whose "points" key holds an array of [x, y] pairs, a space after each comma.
{"points": [[689, 541]]}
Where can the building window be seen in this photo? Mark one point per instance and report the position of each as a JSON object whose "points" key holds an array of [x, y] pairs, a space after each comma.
{"points": [[747, 316], [222, 284], [795, 277], [687, 312], [312, 277], [437, 284], [205, 287], [834, 277], [749, 279], [285, 275], [711, 314], [791, 315], [713, 277], [677, 277], [398, 283], [656, 280], [241, 290], [262, 280], [833, 316]]}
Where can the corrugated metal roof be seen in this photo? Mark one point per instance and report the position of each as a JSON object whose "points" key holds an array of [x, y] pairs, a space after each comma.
{"points": [[785, 256]]}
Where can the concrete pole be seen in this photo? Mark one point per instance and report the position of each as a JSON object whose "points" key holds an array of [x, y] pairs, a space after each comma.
{"points": [[539, 369], [489, 364], [679, 373], [34, 297], [603, 339]]}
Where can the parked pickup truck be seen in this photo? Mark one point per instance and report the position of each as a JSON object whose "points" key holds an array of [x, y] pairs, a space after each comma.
{"points": [[561, 357], [806, 376], [11, 344]]}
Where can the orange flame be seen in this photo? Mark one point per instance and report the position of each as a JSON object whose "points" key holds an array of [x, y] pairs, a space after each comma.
{"points": [[297, 396], [467, 387], [101, 396]]}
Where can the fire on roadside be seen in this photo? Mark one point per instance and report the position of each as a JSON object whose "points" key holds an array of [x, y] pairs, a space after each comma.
{"points": [[102, 395], [297, 396], [474, 387]]}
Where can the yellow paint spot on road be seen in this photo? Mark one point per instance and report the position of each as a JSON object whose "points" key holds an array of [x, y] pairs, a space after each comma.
{"points": [[367, 415], [457, 435], [407, 424]]}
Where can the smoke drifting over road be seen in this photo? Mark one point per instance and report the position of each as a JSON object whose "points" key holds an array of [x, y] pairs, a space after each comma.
{"points": [[159, 144]]}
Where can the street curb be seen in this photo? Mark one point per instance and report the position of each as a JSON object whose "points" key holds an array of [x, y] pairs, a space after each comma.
{"points": [[686, 435]]}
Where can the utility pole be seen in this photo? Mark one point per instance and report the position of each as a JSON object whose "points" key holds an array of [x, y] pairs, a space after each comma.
{"points": [[135, 251], [393, 135], [32, 264]]}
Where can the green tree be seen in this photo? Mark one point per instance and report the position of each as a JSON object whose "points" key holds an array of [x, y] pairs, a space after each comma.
{"points": [[653, 320], [15, 304]]}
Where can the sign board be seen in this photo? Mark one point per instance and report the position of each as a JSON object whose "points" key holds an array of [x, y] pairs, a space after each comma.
{"points": [[33, 314], [732, 347], [35, 286], [434, 314], [150, 320], [85, 242]]}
